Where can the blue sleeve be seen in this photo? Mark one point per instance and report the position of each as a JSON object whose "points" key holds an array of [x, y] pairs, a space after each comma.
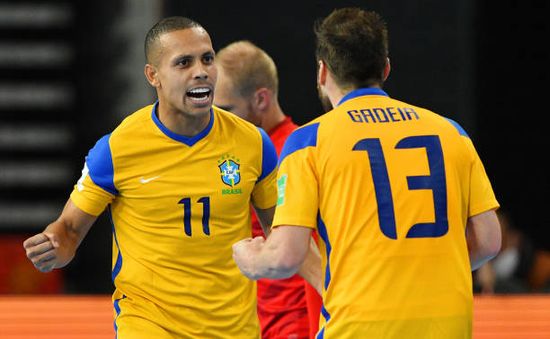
{"points": [[100, 165], [301, 138], [456, 125], [269, 155]]}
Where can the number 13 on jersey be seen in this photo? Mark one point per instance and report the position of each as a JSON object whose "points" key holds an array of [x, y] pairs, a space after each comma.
{"points": [[434, 182]]}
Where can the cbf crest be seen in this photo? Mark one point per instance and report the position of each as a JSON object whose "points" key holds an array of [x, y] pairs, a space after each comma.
{"points": [[229, 170]]}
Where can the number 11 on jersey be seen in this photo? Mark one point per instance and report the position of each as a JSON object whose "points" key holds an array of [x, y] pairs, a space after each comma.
{"points": [[186, 202]]}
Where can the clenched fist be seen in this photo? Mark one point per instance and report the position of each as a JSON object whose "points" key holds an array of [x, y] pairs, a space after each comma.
{"points": [[244, 254], [42, 251]]}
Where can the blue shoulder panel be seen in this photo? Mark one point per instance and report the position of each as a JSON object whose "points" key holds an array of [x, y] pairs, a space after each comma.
{"points": [[461, 130], [100, 165], [301, 138], [269, 155]]}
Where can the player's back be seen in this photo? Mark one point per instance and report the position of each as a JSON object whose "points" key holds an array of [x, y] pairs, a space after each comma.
{"points": [[395, 193]]}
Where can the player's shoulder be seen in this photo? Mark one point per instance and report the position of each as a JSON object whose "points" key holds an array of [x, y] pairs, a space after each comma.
{"points": [[303, 137], [234, 124], [441, 119], [306, 134], [134, 120], [309, 128], [128, 125]]}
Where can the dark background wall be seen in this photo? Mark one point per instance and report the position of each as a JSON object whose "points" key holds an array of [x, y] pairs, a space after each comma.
{"points": [[431, 47], [481, 63], [512, 74]]}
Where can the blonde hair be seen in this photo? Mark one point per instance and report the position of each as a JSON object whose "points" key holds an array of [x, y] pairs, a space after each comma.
{"points": [[248, 68]]}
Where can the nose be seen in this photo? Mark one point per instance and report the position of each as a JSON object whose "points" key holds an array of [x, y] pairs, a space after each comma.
{"points": [[200, 72]]}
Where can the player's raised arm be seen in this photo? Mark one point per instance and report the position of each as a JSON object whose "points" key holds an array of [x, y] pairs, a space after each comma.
{"points": [[55, 247]]}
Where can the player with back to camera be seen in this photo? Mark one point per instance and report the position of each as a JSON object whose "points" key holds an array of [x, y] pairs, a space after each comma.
{"points": [[177, 178], [398, 194], [248, 86]]}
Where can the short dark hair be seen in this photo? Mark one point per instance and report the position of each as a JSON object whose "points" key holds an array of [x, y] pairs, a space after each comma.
{"points": [[166, 25], [353, 43]]}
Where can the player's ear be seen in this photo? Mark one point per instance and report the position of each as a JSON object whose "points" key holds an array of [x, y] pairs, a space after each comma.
{"points": [[152, 75], [387, 70], [262, 98], [321, 73]]}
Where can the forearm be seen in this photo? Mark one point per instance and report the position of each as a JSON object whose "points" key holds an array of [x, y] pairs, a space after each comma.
{"points": [[55, 247], [68, 231], [278, 257], [271, 263], [311, 269], [66, 240], [486, 278]]}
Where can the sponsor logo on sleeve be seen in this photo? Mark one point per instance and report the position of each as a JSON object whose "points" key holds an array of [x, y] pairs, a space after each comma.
{"points": [[80, 182], [281, 188]]}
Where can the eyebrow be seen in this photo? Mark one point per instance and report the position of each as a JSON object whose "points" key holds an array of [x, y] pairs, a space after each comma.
{"points": [[182, 57], [191, 56]]}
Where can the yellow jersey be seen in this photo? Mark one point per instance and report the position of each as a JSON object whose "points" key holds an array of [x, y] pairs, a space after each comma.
{"points": [[389, 187], [177, 205]]}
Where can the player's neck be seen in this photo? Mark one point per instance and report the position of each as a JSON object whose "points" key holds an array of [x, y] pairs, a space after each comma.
{"points": [[187, 125], [273, 118], [333, 92]]}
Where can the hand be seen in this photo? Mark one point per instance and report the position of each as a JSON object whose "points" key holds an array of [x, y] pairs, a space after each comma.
{"points": [[41, 250], [245, 252]]}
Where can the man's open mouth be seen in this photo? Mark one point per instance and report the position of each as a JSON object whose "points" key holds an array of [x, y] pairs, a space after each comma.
{"points": [[199, 95]]}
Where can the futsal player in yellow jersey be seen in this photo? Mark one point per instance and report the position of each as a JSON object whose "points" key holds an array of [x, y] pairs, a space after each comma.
{"points": [[178, 178], [398, 194]]}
